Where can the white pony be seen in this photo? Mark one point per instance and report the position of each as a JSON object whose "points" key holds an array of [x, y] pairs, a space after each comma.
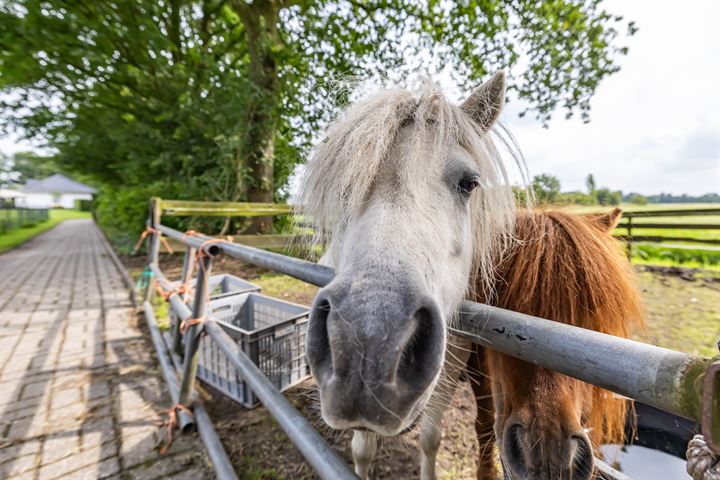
{"points": [[412, 197]]}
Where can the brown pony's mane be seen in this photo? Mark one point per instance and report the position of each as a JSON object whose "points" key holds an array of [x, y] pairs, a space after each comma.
{"points": [[568, 268]]}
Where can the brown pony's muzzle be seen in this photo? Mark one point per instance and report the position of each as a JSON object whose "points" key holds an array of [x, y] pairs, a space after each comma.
{"points": [[375, 349], [535, 453]]}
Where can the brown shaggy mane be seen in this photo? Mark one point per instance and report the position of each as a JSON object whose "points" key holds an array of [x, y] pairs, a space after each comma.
{"points": [[568, 268]]}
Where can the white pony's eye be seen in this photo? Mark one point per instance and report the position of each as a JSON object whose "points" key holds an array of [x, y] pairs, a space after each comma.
{"points": [[467, 184]]}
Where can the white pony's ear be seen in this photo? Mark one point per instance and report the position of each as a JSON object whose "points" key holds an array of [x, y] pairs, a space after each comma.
{"points": [[485, 103]]}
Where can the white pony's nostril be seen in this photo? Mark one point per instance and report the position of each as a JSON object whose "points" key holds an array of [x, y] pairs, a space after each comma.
{"points": [[419, 358], [318, 342]]}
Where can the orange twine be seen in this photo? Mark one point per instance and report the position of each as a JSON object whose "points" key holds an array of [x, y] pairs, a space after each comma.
{"points": [[189, 322], [166, 294], [152, 231], [172, 422]]}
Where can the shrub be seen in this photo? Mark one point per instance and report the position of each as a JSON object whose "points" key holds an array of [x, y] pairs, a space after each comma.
{"points": [[83, 205], [638, 199]]}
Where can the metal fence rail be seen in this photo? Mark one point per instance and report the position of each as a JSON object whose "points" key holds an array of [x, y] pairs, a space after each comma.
{"points": [[659, 377], [672, 381], [12, 218]]}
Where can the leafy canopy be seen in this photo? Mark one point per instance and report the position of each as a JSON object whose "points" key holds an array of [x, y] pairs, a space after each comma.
{"points": [[173, 97]]}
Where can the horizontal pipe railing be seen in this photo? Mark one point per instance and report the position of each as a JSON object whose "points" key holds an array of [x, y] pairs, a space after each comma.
{"points": [[220, 461], [326, 462], [656, 376]]}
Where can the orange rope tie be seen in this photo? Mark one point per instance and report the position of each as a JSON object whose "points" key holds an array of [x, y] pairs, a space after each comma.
{"points": [[189, 233], [152, 231], [180, 289], [189, 322], [171, 423]]}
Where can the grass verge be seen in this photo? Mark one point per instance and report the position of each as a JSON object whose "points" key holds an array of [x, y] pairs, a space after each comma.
{"points": [[14, 238]]}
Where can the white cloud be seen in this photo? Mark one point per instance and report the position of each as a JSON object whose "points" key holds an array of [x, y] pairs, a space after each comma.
{"points": [[655, 125]]}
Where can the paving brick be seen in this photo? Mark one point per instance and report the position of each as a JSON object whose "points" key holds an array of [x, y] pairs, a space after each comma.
{"points": [[163, 466], [138, 447], [105, 469], [66, 396], [79, 386], [67, 465], [37, 389], [17, 466], [59, 446], [19, 449]]}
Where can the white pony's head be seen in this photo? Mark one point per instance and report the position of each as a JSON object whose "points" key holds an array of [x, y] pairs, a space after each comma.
{"points": [[412, 196]]}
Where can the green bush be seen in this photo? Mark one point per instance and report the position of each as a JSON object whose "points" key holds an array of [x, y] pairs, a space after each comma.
{"points": [[576, 198], [638, 199], [83, 205], [606, 197]]}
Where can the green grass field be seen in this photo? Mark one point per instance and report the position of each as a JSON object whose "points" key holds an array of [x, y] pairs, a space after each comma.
{"points": [[683, 253], [15, 237]]}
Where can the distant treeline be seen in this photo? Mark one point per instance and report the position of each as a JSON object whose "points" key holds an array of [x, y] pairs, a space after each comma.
{"points": [[670, 198], [546, 190]]}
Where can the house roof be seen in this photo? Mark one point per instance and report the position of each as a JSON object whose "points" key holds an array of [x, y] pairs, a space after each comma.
{"points": [[56, 184]]}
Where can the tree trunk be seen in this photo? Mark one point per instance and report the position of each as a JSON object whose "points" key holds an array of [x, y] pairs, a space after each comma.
{"points": [[258, 150]]}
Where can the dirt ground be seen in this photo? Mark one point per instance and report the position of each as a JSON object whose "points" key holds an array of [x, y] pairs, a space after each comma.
{"points": [[683, 313]]}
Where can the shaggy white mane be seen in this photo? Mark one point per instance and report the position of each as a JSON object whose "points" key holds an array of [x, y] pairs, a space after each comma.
{"points": [[343, 167]]}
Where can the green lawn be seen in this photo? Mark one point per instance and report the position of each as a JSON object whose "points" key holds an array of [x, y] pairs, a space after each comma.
{"points": [[676, 252], [15, 237]]}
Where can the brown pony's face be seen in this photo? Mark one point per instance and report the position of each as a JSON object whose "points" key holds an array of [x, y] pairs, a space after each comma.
{"points": [[539, 422], [566, 268]]}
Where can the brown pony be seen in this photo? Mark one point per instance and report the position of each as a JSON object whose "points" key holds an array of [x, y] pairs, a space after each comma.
{"points": [[566, 268]]}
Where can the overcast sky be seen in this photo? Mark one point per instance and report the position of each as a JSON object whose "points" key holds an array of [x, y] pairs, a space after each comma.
{"points": [[655, 125]]}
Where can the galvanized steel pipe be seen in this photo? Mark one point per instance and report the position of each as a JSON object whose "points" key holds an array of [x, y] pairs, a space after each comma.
{"points": [[326, 462], [659, 377], [220, 461]]}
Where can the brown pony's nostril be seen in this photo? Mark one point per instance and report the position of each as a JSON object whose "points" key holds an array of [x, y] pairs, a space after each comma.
{"points": [[515, 452], [582, 462]]}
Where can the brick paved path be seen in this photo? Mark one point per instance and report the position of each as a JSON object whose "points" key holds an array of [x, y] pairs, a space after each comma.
{"points": [[79, 385]]}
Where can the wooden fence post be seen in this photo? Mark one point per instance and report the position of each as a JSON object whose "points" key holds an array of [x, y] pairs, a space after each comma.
{"points": [[629, 237]]}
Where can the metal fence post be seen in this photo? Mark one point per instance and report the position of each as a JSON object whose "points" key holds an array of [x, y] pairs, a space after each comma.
{"points": [[187, 272], [153, 247], [192, 334]]}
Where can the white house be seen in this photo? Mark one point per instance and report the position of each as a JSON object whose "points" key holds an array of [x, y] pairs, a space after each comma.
{"points": [[54, 191]]}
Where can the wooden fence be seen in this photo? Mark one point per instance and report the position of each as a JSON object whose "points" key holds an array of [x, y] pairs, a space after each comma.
{"points": [[188, 208], [633, 221]]}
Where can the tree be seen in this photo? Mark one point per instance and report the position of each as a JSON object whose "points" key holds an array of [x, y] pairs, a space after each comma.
{"points": [[218, 99], [606, 197], [590, 184], [23, 166], [28, 165], [638, 199], [546, 188]]}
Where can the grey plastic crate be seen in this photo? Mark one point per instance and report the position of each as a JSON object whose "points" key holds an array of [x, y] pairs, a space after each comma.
{"points": [[271, 332], [219, 286], [222, 285]]}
